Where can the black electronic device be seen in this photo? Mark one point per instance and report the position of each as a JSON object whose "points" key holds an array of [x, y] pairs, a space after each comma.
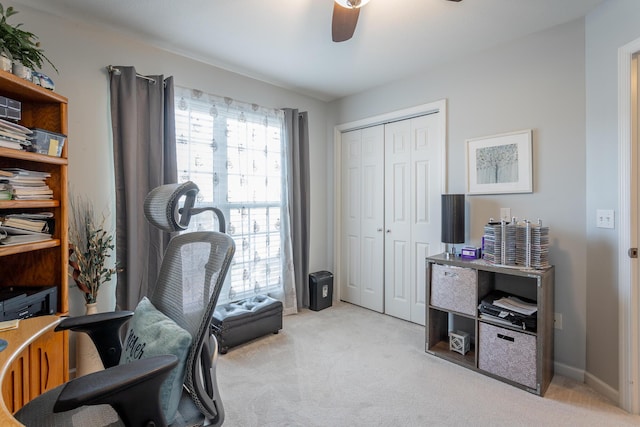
{"points": [[22, 302], [320, 290]]}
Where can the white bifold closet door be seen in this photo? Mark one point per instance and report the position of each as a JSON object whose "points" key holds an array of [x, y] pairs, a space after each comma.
{"points": [[363, 217], [391, 186], [413, 185]]}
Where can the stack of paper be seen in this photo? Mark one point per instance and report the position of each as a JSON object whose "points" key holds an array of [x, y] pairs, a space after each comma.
{"points": [[30, 222], [516, 304], [13, 135], [16, 229], [19, 239], [27, 184]]}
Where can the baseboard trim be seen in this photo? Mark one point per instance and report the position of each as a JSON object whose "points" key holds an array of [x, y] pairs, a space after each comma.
{"points": [[592, 381], [569, 371], [603, 388]]}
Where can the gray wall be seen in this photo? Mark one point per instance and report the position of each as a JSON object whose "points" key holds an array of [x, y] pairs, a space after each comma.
{"points": [[536, 82], [609, 27]]}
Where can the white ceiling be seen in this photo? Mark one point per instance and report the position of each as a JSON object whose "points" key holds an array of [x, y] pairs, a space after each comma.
{"points": [[288, 42]]}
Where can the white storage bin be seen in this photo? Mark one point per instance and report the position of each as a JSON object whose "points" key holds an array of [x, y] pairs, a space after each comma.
{"points": [[454, 288], [507, 353]]}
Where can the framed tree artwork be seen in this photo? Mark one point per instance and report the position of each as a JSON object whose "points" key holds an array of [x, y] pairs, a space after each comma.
{"points": [[500, 164]]}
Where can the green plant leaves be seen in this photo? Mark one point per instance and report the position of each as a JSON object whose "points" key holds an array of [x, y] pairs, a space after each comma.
{"points": [[18, 44]]}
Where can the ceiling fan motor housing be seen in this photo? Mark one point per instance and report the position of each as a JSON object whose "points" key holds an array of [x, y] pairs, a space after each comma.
{"points": [[353, 4]]}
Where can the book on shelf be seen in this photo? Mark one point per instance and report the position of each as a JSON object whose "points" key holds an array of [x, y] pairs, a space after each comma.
{"points": [[10, 144], [13, 230], [40, 222], [24, 173], [14, 136], [19, 239], [32, 196], [35, 215], [16, 236], [14, 127], [26, 184], [31, 189]]}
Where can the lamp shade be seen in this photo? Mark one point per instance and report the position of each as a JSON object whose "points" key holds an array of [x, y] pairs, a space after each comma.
{"points": [[452, 218]]}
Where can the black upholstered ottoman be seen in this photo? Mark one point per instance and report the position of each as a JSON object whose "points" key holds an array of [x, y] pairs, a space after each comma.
{"points": [[242, 321]]}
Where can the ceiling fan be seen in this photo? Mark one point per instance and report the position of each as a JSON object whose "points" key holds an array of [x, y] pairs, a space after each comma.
{"points": [[345, 18]]}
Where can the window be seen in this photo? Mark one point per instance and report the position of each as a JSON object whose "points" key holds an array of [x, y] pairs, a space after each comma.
{"points": [[234, 152]]}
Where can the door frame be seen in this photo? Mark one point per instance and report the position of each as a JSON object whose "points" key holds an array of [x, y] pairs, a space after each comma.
{"points": [[628, 293], [439, 106]]}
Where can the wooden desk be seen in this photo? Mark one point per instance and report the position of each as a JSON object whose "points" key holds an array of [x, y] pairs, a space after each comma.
{"points": [[33, 362]]}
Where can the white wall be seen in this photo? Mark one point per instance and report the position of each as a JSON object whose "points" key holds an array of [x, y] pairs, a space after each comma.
{"points": [[536, 82], [611, 26], [81, 53]]}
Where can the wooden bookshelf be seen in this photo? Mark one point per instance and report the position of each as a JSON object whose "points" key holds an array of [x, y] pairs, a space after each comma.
{"points": [[44, 263]]}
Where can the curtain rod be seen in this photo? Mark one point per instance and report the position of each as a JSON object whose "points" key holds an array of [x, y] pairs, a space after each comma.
{"points": [[117, 72]]}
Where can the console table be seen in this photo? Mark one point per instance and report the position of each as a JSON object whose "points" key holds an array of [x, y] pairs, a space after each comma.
{"points": [[25, 369], [519, 357]]}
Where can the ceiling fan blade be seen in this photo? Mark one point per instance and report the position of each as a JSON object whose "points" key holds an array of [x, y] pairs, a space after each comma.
{"points": [[344, 22]]}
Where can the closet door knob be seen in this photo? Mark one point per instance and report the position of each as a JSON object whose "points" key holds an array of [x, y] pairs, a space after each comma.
{"points": [[388, 230], [379, 229]]}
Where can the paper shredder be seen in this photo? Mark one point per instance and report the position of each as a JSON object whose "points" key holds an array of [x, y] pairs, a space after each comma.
{"points": [[320, 290]]}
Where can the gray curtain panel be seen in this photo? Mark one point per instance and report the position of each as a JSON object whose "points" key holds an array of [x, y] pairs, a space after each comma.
{"points": [[297, 132], [144, 147]]}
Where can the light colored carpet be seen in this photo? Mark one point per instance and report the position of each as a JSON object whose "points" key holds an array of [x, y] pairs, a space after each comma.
{"points": [[348, 366]]}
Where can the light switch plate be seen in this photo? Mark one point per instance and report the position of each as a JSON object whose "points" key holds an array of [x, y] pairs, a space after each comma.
{"points": [[605, 218]]}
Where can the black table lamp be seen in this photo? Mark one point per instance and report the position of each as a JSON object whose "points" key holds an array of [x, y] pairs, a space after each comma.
{"points": [[452, 221]]}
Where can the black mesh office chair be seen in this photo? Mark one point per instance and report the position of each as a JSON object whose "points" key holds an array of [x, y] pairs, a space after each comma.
{"points": [[192, 273]]}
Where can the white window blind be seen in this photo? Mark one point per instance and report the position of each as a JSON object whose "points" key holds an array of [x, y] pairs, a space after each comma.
{"points": [[234, 152]]}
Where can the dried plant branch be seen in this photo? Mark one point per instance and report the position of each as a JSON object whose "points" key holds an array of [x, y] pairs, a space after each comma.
{"points": [[90, 246]]}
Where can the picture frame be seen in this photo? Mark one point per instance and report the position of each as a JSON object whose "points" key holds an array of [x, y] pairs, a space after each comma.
{"points": [[500, 164]]}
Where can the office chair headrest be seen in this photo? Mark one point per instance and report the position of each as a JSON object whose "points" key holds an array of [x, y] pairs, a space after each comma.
{"points": [[161, 206]]}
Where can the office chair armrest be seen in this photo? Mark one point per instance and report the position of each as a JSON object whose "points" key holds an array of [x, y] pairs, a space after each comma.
{"points": [[104, 330], [133, 390]]}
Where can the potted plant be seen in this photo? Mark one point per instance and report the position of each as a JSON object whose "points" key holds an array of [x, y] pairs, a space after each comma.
{"points": [[90, 246], [19, 45]]}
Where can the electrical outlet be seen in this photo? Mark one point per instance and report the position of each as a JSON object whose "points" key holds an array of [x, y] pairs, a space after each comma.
{"points": [[605, 218], [505, 214], [557, 320]]}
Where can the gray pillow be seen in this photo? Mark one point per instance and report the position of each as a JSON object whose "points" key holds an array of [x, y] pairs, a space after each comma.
{"points": [[152, 333]]}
